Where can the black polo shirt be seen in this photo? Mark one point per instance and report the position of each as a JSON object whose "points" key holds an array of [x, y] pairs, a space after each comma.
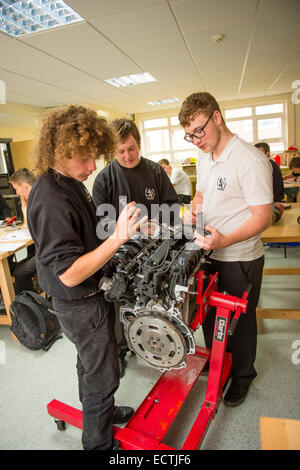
{"points": [[146, 184], [278, 187], [62, 222]]}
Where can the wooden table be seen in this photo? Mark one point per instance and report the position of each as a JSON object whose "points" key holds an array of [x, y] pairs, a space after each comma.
{"points": [[6, 283], [279, 434], [286, 230]]}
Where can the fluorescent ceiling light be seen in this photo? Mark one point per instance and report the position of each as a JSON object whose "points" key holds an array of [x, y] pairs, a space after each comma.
{"points": [[131, 80], [166, 101], [18, 18]]}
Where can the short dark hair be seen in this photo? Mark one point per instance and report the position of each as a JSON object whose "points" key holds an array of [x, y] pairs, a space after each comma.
{"points": [[125, 128], [196, 104], [163, 161], [294, 163], [264, 146], [23, 175]]}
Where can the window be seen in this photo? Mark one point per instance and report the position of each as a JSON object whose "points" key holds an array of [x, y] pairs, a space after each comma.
{"points": [[239, 112], [163, 138], [264, 123], [243, 128]]}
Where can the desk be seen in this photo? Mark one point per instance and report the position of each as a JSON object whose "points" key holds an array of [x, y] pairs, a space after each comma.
{"points": [[284, 231], [279, 434], [6, 283]]}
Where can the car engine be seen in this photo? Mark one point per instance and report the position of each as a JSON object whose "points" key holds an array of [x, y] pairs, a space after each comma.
{"points": [[153, 280]]}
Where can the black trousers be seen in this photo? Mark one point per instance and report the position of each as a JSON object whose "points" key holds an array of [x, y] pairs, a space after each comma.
{"points": [[234, 278], [23, 273], [89, 324]]}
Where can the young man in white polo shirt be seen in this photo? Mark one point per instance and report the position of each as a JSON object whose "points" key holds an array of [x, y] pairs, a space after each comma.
{"points": [[234, 185]]}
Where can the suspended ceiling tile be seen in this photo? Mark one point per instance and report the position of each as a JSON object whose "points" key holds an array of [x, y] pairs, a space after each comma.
{"points": [[91, 9], [146, 91], [147, 37], [62, 42], [177, 65], [5, 37], [138, 24], [237, 35], [17, 57], [28, 99], [269, 8], [270, 53], [195, 14], [288, 76], [17, 83], [152, 47], [105, 63], [275, 38]]}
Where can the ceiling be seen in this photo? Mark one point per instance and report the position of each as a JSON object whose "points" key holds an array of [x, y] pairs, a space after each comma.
{"points": [[170, 39]]}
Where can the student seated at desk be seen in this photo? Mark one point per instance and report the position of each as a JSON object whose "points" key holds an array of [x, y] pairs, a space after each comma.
{"points": [[179, 180], [5, 211], [22, 181], [294, 165]]}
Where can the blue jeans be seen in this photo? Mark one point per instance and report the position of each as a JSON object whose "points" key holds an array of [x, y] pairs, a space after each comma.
{"points": [[88, 323]]}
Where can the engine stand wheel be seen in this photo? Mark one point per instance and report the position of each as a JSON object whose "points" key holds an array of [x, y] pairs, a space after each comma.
{"points": [[61, 425]]}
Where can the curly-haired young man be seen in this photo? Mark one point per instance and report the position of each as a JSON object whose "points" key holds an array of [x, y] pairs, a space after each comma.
{"points": [[62, 221], [234, 184]]}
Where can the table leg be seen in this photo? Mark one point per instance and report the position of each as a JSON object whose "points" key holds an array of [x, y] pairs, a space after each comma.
{"points": [[7, 290]]}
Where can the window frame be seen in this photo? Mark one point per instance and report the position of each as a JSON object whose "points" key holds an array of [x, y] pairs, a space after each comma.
{"points": [[171, 153], [258, 117], [195, 152]]}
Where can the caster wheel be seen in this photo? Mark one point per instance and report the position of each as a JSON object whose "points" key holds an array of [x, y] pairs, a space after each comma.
{"points": [[298, 220], [61, 425]]}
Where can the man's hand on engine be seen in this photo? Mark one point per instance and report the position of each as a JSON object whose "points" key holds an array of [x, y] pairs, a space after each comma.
{"points": [[189, 217], [215, 241], [128, 223]]}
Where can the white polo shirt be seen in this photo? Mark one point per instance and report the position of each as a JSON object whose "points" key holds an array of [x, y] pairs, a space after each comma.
{"points": [[181, 182], [240, 177]]}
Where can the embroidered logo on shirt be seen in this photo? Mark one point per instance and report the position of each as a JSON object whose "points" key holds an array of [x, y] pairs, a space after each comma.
{"points": [[221, 183], [150, 193]]}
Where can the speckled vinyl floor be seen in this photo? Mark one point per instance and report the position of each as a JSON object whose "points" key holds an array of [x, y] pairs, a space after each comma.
{"points": [[31, 379]]}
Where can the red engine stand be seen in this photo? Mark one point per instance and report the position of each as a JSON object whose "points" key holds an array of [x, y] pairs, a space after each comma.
{"points": [[147, 427]]}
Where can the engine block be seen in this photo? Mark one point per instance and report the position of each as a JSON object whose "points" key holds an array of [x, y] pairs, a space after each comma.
{"points": [[153, 281]]}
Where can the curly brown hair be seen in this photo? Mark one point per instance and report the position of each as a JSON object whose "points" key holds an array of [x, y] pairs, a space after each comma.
{"points": [[195, 104], [73, 130]]}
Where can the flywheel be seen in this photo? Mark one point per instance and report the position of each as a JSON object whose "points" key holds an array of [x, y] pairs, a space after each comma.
{"points": [[158, 341]]}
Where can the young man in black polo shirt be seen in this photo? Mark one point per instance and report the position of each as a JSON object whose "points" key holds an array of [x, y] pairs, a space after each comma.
{"points": [[133, 178], [62, 221]]}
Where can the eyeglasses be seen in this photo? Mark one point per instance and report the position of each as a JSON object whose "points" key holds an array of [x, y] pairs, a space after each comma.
{"points": [[198, 133]]}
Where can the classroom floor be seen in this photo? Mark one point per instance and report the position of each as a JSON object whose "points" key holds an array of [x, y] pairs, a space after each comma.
{"points": [[31, 379]]}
